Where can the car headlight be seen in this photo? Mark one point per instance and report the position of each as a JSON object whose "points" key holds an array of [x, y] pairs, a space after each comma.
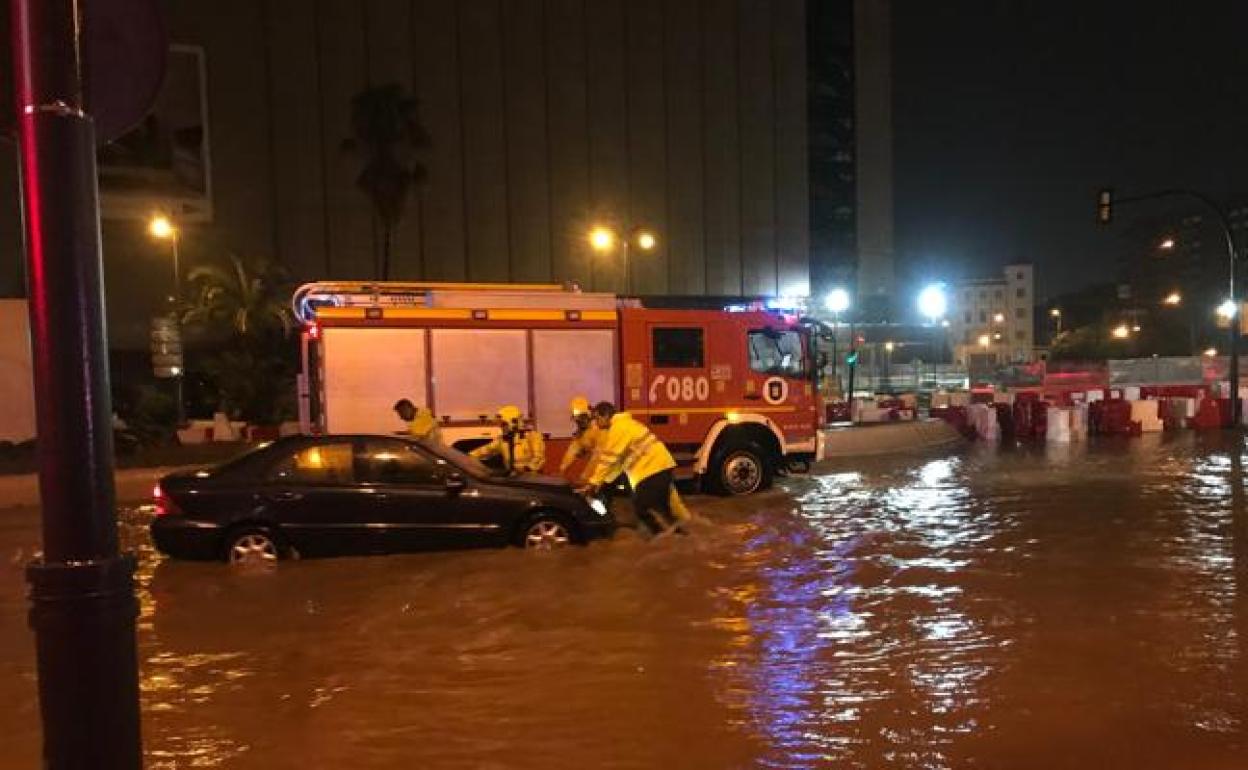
{"points": [[599, 506]]}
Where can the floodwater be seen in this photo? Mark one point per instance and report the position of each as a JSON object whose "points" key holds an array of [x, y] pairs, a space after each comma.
{"points": [[1080, 607]]}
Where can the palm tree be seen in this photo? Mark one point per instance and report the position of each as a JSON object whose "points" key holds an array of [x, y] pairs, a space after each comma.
{"points": [[387, 138], [241, 297], [238, 318]]}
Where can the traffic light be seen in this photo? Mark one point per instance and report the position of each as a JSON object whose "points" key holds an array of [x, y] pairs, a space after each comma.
{"points": [[1105, 206], [851, 358]]}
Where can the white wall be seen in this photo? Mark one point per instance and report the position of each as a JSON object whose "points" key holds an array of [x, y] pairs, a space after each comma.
{"points": [[17, 397]]}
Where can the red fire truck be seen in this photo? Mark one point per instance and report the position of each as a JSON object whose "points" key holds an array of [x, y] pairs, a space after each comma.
{"points": [[732, 394]]}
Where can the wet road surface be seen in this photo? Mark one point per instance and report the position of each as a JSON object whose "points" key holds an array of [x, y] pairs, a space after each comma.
{"points": [[1040, 608]]}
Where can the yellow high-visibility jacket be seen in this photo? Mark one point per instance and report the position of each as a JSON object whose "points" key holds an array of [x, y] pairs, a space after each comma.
{"points": [[424, 425], [629, 447], [530, 451], [584, 444]]}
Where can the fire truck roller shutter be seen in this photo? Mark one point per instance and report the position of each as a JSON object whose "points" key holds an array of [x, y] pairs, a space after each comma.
{"points": [[475, 371], [366, 371], [568, 363], [739, 456]]}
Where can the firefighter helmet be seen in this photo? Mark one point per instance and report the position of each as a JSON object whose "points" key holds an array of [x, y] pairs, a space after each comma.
{"points": [[509, 414], [580, 406]]}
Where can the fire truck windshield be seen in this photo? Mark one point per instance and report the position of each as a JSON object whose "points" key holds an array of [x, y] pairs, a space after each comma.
{"points": [[777, 352]]}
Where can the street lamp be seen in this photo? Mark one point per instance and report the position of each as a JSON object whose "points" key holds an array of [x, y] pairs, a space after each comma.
{"points": [[162, 228], [932, 302], [837, 302], [998, 318], [985, 341], [1173, 298], [603, 240], [1211, 352], [1121, 332], [1227, 309], [1167, 244]]}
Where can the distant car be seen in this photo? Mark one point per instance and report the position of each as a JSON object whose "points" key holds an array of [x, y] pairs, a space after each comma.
{"points": [[332, 495]]}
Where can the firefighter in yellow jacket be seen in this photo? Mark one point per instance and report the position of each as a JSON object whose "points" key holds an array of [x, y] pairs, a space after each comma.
{"points": [[420, 421], [585, 444], [584, 440], [630, 448], [520, 447]]}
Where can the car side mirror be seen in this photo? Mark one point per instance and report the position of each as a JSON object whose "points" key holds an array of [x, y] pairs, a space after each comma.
{"points": [[455, 483]]}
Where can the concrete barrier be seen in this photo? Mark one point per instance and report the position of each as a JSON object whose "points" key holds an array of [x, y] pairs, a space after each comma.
{"points": [[889, 438]]}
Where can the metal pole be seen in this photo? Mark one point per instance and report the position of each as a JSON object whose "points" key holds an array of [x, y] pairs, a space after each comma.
{"points": [[83, 607], [628, 273], [178, 390], [853, 346], [836, 378]]}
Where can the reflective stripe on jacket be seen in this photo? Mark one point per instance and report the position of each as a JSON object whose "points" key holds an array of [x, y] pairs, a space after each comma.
{"points": [[629, 447], [530, 451]]}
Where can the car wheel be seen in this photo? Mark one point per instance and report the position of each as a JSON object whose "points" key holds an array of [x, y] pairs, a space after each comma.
{"points": [[545, 533], [740, 469], [251, 545]]}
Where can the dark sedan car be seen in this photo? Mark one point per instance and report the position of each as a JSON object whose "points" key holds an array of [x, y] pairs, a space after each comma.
{"points": [[329, 495]]}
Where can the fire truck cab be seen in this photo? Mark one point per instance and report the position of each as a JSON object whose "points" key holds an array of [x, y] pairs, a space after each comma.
{"points": [[732, 394]]}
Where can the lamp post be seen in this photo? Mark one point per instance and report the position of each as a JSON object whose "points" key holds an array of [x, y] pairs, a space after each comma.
{"points": [[162, 228], [837, 302], [1056, 315], [603, 239], [1104, 215]]}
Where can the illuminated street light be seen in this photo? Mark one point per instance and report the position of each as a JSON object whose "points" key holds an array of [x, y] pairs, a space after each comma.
{"points": [[1121, 332], [1135, 328], [985, 341], [932, 302], [1166, 244], [998, 318], [1055, 313], [1227, 309], [837, 301], [1173, 298], [1211, 352], [888, 347], [602, 239], [160, 226]]}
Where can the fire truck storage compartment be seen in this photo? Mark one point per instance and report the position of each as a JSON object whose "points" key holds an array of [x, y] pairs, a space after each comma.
{"points": [[366, 371], [475, 371], [569, 363]]}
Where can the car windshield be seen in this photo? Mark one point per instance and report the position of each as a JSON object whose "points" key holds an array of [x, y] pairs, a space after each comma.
{"points": [[777, 352], [465, 462]]}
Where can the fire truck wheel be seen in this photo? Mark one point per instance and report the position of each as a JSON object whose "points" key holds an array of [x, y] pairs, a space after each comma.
{"points": [[740, 469]]}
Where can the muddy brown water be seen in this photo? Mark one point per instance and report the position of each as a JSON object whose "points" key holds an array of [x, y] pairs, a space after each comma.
{"points": [[1039, 608]]}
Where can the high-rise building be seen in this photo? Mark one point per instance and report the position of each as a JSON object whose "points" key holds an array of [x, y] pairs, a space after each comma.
{"points": [[851, 151]]}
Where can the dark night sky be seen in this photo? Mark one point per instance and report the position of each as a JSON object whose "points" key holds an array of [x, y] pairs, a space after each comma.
{"points": [[1009, 114]]}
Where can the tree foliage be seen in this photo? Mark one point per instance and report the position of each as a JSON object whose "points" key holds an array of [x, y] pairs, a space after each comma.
{"points": [[239, 326]]}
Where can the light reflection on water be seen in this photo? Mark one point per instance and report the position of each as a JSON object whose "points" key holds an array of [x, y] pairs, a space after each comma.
{"points": [[1075, 606]]}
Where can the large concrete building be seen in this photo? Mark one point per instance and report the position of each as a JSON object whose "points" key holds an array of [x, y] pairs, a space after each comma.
{"points": [[992, 320], [545, 116]]}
